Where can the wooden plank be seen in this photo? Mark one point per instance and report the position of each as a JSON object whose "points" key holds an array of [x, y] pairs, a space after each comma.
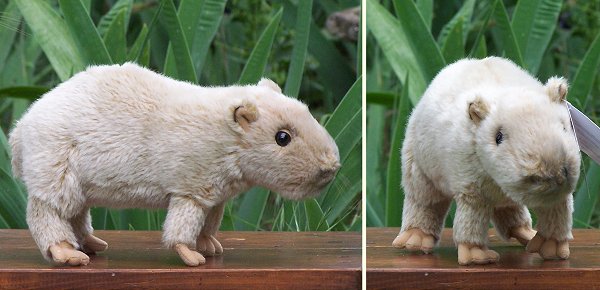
{"points": [[388, 267], [137, 259]]}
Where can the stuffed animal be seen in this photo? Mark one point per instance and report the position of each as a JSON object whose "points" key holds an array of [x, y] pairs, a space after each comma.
{"points": [[497, 141], [123, 136]]}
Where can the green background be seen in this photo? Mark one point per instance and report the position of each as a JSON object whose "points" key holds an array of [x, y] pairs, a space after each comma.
{"points": [[43, 43], [408, 42]]}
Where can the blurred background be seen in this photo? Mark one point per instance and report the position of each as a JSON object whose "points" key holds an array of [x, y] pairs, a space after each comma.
{"points": [[308, 47], [408, 42]]}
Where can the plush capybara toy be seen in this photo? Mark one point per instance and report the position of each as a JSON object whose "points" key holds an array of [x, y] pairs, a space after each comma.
{"points": [[497, 141], [124, 136]]}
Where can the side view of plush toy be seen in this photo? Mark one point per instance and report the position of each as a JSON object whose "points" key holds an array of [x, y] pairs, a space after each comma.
{"points": [[123, 136], [497, 141]]}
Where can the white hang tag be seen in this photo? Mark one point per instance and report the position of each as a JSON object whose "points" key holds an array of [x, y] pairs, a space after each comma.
{"points": [[587, 133]]}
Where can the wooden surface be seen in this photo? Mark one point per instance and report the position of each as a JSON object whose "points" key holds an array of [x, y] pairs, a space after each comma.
{"points": [[252, 260], [388, 267]]}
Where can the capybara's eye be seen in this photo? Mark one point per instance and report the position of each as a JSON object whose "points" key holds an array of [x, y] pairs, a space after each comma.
{"points": [[283, 138], [499, 138]]}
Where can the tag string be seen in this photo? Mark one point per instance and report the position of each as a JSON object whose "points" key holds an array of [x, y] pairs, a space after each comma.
{"points": [[587, 187]]}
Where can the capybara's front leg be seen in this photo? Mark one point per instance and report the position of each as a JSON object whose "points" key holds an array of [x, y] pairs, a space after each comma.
{"points": [[513, 221], [207, 242], [471, 224], [554, 230], [185, 218]]}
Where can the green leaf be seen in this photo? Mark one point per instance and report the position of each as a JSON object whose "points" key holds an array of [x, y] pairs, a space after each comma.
{"points": [[255, 66], [533, 23], [208, 23], [200, 21], [511, 48], [394, 43], [381, 98], [24, 92], [429, 56], [453, 48], [480, 38], [53, 36], [481, 49], [183, 59], [315, 219], [334, 72], [394, 193], [345, 125], [426, 9], [359, 59], [585, 76], [8, 29], [377, 140], [227, 221], [5, 153], [84, 32], [346, 186], [145, 42], [251, 209], [189, 15], [373, 219], [296, 69], [136, 48], [464, 14], [122, 6], [586, 197], [115, 40], [12, 202]]}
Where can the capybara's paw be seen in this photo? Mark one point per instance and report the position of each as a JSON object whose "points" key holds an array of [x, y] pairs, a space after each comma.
{"points": [[64, 253], [523, 234], [209, 246], [548, 248], [473, 254], [414, 240], [92, 244], [189, 257]]}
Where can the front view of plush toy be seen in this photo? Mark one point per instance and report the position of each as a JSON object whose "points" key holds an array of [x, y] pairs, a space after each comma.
{"points": [[497, 141], [124, 136]]}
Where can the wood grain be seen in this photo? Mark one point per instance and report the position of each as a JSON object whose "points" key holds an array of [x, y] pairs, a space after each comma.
{"points": [[275, 260], [388, 267]]}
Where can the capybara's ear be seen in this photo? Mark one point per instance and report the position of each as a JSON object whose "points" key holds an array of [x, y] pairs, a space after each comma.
{"points": [[245, 114], [269, 84], [557, 88], [478, 110]]}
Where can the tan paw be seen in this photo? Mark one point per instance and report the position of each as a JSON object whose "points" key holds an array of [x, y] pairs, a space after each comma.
{"points": [[209, 246], [189, 257], [523, 234], [65, 254], [548, 248], [472, 254], [93, 244], [414, 240]]}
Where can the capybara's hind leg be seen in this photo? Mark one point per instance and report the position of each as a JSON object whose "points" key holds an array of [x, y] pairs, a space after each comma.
{"points": [[53, 234], [513, 221], [82, 227], [424, 210], [183, 224]]}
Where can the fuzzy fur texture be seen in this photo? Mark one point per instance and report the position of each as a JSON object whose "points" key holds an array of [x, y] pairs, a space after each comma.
{"points": [[124, 136], [450, 152]]}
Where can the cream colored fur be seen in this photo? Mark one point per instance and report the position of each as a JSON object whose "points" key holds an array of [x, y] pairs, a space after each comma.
{"points": [[124, 136], [450, 152]]}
